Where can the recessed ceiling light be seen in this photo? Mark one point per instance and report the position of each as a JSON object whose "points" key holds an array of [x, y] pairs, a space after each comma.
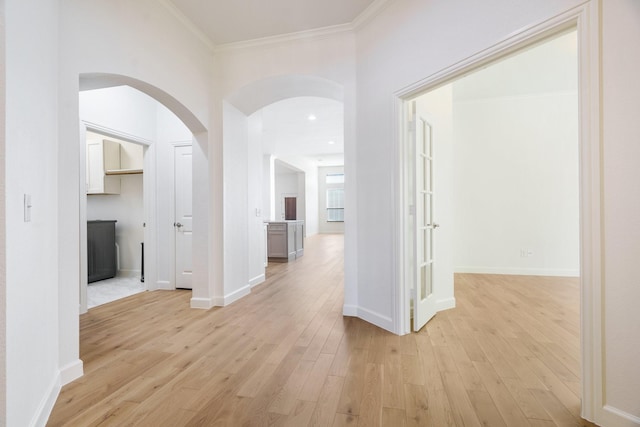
{"points": [[331, 142], [311, 117]]}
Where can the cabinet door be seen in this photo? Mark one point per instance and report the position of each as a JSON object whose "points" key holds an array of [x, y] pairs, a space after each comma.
{"points": [[299, 240], [291, 241], [277, 242], [101, 250], [101, 156], [95, 172]]}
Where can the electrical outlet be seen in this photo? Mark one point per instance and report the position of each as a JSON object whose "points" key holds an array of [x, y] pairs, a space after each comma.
{"points": [[525, 253]]}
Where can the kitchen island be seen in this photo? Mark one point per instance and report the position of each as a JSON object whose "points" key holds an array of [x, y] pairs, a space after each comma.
{"points": [[285, 240]]}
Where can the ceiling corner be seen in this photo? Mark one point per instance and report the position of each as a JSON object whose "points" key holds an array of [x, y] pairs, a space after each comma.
{"points": [[370, 12], [188, 24]]}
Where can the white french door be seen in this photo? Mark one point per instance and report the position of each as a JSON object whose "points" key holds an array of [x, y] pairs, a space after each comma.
{"points": [[424, 226]]}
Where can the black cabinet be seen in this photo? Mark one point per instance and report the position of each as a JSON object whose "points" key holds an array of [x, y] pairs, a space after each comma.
{"points": [[101, 250]]}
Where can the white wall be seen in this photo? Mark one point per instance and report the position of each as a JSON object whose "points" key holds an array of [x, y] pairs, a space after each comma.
{"points": [[311, 199], [323, 225], [31, 147], [256, 252], [3, 227], [516, 164], [516, 191], [121, 108], [268, 188], [621, 204], [236, 211]]}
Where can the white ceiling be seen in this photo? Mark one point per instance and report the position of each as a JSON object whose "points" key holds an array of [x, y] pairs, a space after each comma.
{"points": [[228, 21], [287, 130]]}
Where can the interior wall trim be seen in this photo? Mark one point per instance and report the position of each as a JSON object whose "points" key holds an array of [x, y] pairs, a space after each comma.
{"points": [[41, 416], [203, 303]]}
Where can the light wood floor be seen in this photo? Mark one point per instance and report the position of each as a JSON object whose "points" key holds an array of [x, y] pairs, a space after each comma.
{"points": [[507, 355]]}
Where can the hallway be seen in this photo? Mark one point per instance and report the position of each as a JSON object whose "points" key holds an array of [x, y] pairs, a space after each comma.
{"points": [[284, 355]]}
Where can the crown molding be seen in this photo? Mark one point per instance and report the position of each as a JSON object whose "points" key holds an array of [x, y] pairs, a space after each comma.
{"points": [[369, 13], [188, 23], [362, 19], [283, 38]]}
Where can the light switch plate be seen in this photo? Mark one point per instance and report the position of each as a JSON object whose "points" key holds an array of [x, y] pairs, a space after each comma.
{"points": [[27, 208]]}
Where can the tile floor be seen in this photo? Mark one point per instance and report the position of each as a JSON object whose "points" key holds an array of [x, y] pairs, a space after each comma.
{"points": [[108, 290]]}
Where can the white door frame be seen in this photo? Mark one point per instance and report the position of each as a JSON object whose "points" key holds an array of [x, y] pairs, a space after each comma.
{"points": [[149, 185], [585, 19]]}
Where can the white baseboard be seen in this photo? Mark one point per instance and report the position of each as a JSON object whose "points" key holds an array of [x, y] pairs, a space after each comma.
{"points": [[129, 273], [71, 371], [236, 295], [559, 272], [45, 407], [350, 310], [385, 322], [615, 416], [202, 303], [372, 317], [257, 280], [377, 319], [445, 304], [164, 285]]}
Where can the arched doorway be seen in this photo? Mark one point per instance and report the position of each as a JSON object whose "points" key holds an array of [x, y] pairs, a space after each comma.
{"points": [[202, 291], [239, 118]]}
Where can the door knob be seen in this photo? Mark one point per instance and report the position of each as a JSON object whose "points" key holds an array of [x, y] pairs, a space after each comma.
{"points": [[434, 225], [177, 224]]}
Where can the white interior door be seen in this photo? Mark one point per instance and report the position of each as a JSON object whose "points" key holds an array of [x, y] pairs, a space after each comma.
{"points": [[424, 225], [183, 216]]}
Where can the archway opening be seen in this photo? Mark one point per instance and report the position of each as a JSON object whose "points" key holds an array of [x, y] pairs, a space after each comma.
{"points": [[131, 111], [286, 132]]}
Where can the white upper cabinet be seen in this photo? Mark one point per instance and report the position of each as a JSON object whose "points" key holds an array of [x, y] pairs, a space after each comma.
{"points": [[102, 155], [130, 160], [107, 160]]}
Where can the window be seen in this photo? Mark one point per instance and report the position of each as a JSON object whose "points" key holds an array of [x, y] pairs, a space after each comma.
{"points": [[335, 204], [334, 178]]}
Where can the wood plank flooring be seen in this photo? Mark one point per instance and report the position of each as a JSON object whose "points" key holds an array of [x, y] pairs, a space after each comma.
{"points": [[507, 355]]}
